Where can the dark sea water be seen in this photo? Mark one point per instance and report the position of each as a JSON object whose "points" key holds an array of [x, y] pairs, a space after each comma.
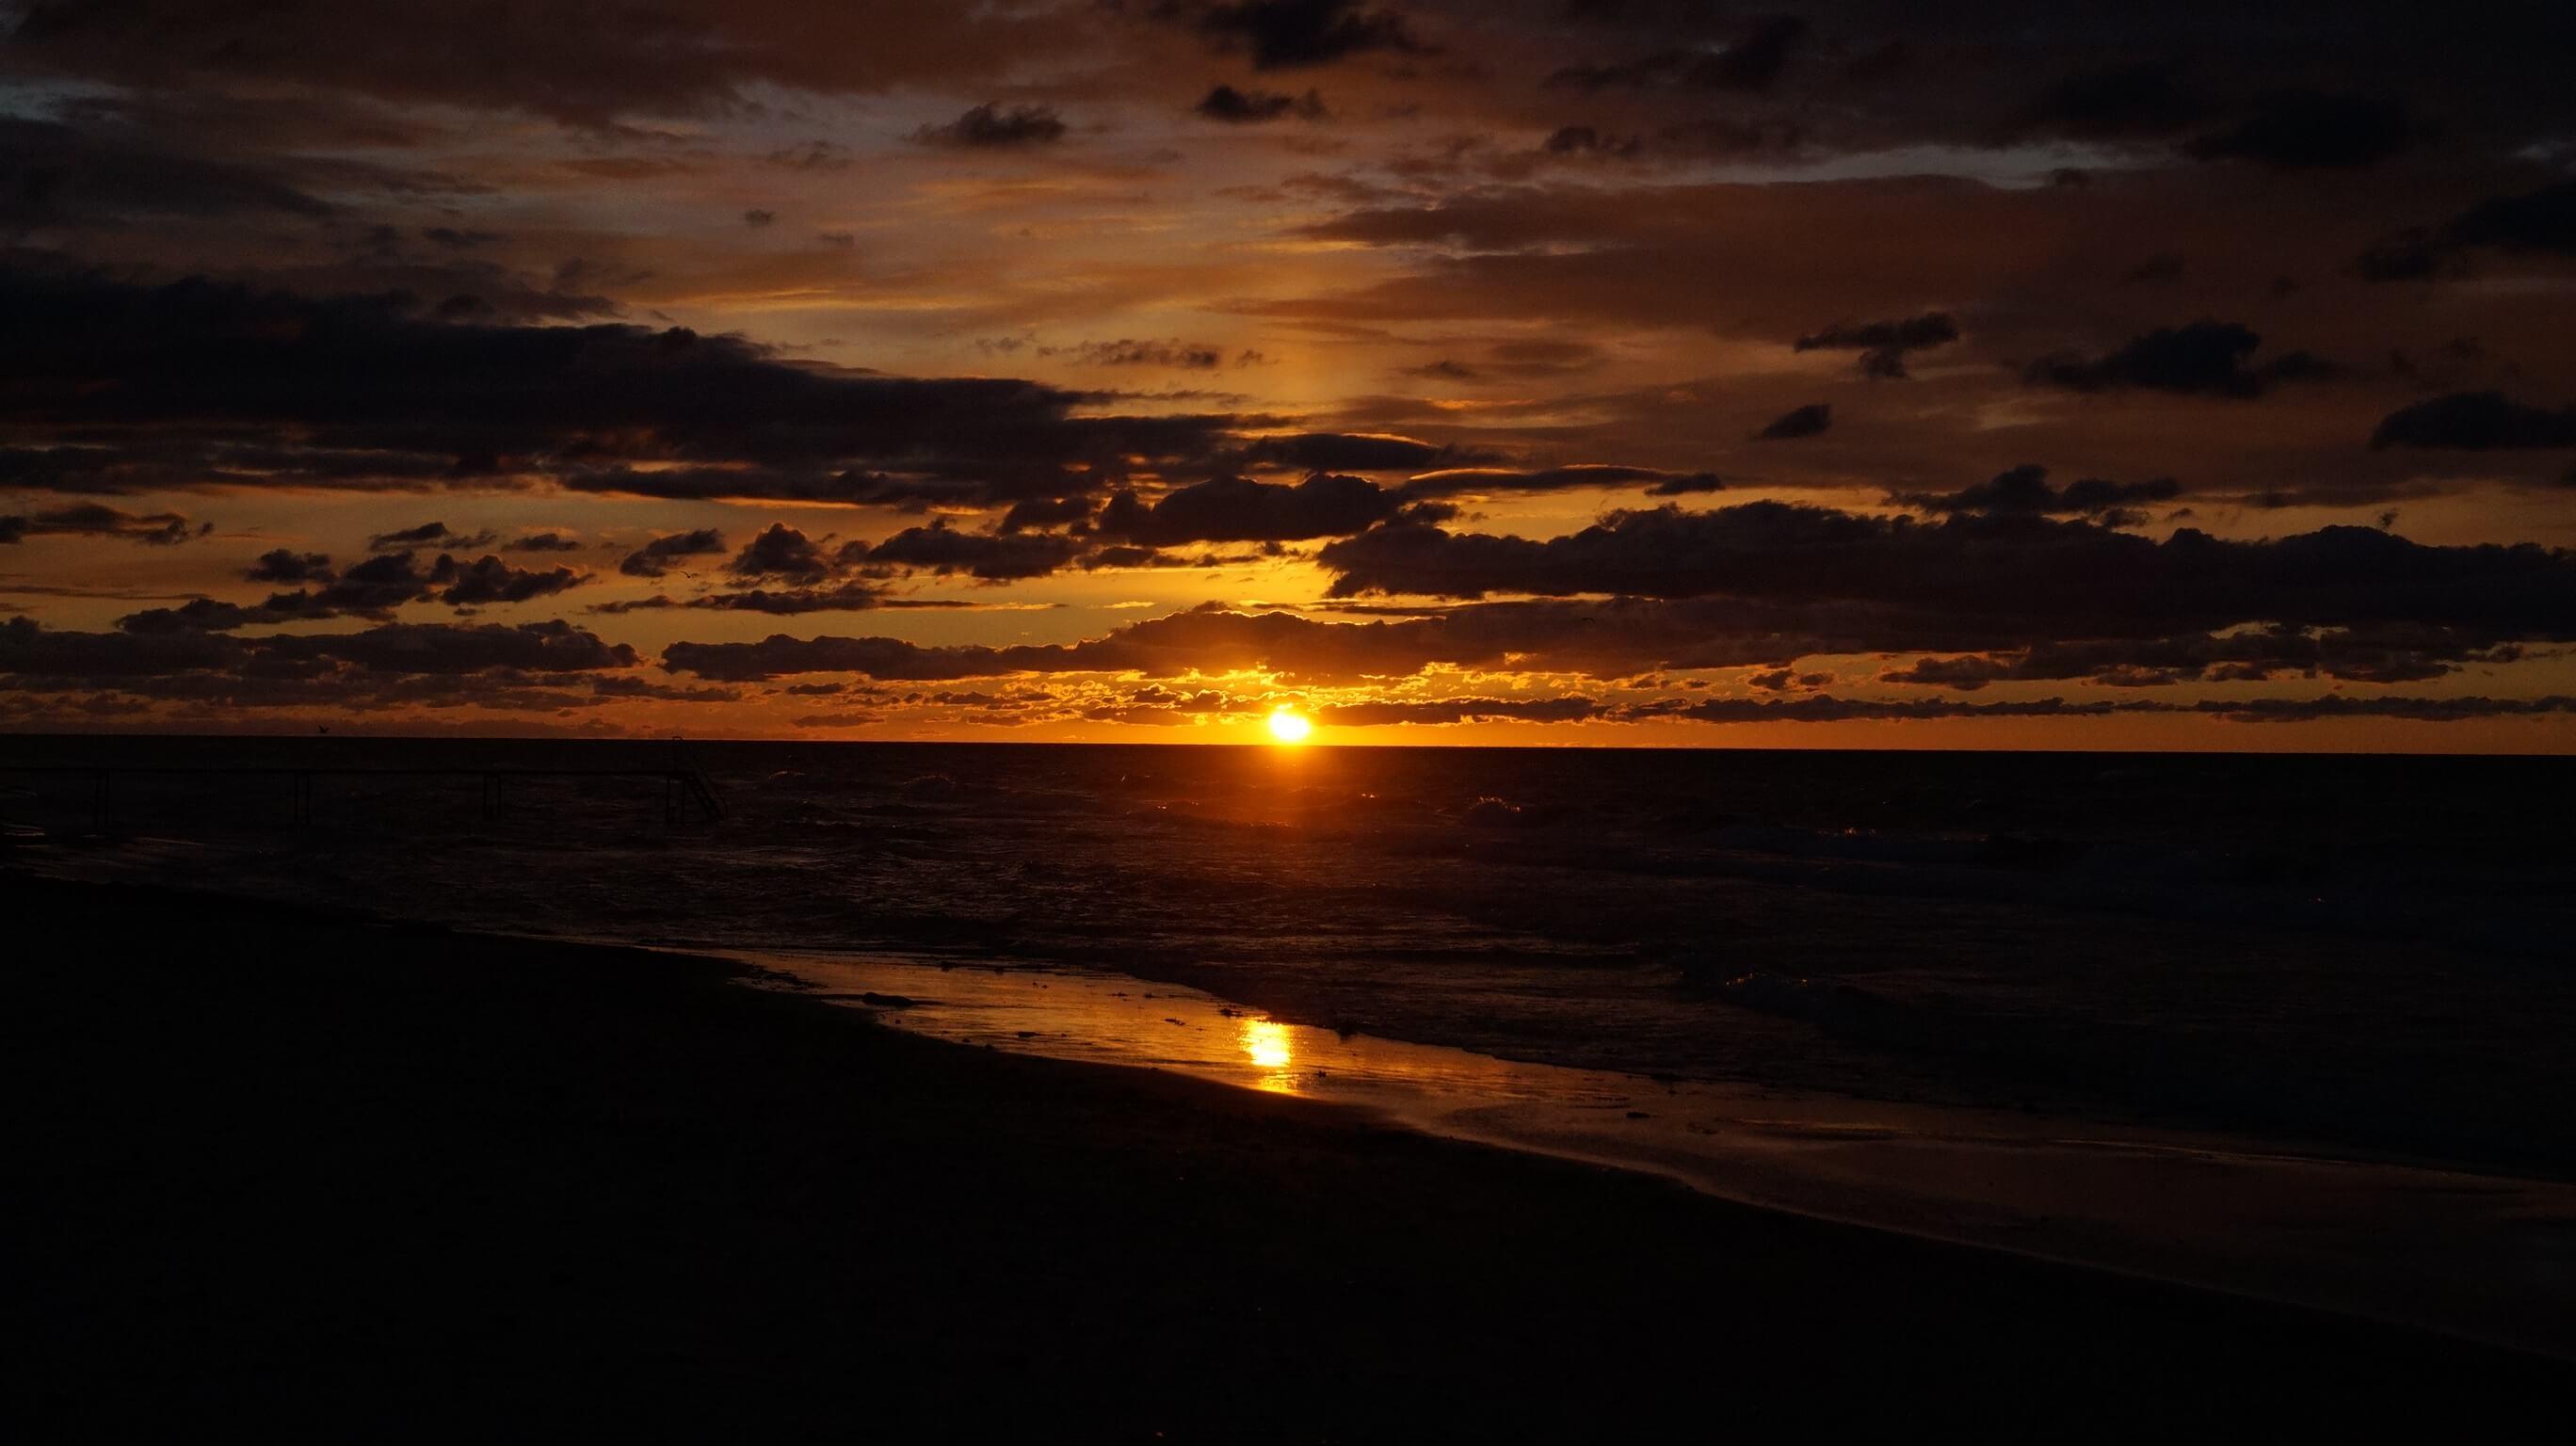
{"points": [[2366, 951]]}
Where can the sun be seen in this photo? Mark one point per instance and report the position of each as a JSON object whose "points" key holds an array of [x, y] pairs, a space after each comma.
{"points": [[1289, 727]]}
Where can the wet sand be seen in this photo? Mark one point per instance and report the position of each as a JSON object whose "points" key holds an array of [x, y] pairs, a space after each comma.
{"points": [[308, 1172], [2481, 1252]]}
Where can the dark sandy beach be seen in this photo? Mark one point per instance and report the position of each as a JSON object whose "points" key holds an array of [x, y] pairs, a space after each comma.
{"points": [[294, 1171]]}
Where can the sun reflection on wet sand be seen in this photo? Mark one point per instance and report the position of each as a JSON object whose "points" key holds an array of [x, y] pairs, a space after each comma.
{"points": [[2465, 1253]]}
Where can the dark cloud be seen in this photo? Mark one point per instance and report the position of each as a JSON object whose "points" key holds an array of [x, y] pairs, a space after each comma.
{"points": [[2024, 490], [1690, 17], [1459, 710], [1883, 344], [1237, 509], [1825, 708], [620, 686], [2119, 102], [590, 70], [1588, 140], [27, 649], [1687, 484], [657, 557], [815, 155], [1126, 352], [784, 552], [1206, 639], [1966, 674], [553, 646], [2017, 574], [205, 615], [180, 371], [1154, 706], [820, 576], [1628, 637], [1807, 421], [991, 557], [1751, 61], [584, 64], [373, 588], [781, 656], [73, 469], [1581, 476], [846, 595], [1704, 139], [1612, 638], [2531, 223], [148, 462], [2541, 221], [1755, 59], [1781, 680], [465, 291], [1359, 452], [427, 534], [488, 579], [1540, 358], [1047, 512], [55, 174], [2380, 654], [989, 127], [394, 649], [284, 565], [1293, 34], [2306, 130], [2421, 710], [542, 542], [2205, 358], [2477, 422], [91, 519], [1443, 370], [1131, 555], [1252, 107]]}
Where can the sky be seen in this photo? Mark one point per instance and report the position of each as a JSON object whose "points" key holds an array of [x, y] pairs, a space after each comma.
{"points": [[1559, 372]]}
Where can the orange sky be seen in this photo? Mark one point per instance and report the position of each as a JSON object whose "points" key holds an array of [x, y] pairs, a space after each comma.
{"points": [[1654, 375]]}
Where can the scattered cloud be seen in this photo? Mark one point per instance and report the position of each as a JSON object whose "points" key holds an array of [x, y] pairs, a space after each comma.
{"points": [[990, 127]]}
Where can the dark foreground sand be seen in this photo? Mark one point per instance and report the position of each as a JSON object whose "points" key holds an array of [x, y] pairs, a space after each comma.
{"points": [[307, 1173]]}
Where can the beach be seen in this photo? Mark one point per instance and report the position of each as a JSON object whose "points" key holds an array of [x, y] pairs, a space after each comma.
{"points": [[1286, 720], [311, 1171]]}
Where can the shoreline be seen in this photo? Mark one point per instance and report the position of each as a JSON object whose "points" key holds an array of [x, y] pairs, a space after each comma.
{"points": [[294, 1165], [2299, 1223]]}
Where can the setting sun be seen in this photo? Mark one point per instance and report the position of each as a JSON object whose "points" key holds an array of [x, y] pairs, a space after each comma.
{"points": [[1289, 727]]}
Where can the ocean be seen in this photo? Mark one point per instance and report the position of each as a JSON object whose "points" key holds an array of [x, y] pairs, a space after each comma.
{"points": [[2363, 952]]}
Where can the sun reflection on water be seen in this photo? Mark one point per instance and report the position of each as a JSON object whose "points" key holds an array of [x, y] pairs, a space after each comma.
{"points": [[1266, 1044]]}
